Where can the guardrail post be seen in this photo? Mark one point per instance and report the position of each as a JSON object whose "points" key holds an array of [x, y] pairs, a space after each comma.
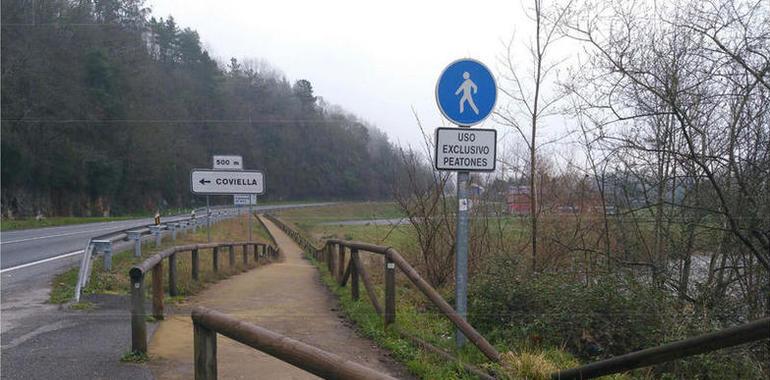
{"points": [[205, 348], [104, 247], [390, 291], [172, 275], [341, 264], [138, 323], [157, 290], [354, 293], [156, 232], [136, 236], [245, 254], [232, 256], [215, 259], [195, 225], [195, 264], [173, 227]]}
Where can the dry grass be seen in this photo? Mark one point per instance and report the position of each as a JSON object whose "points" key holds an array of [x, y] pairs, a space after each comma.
{"points": [[116, 281]]}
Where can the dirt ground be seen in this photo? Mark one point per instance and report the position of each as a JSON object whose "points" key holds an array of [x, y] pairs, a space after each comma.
{"points": [[286, 297]]}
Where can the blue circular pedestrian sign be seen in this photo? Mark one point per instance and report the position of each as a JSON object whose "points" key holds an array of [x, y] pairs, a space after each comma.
{"points": [[466, 92]]}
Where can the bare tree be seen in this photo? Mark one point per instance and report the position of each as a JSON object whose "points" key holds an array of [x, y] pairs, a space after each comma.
{"points": [[528, 101], [681, 89]]}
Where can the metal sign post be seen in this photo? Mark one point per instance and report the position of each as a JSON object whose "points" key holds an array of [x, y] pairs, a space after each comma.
{"points": [[208, 219], [466, 93], [251, 215], [240, 200], [461, 252]]}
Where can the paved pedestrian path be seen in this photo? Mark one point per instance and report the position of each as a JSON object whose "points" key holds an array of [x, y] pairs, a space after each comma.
{"points": [[286, 297]]}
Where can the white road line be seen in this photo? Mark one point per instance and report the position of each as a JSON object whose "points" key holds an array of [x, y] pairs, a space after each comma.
{"points": [[42, 261], [59, 235]]}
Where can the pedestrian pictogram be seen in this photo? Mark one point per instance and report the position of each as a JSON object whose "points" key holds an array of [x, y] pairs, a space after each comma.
{"points": [[466, 92], [466, 88]]}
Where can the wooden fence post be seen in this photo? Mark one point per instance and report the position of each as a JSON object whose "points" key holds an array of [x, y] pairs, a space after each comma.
{"points": [[205, 348], [195, 264], [215, 259], [138, 323], [157, 290], [354, 292], [368, 285], [232, 256], [172, 275], [340, 264], [390, 291]]}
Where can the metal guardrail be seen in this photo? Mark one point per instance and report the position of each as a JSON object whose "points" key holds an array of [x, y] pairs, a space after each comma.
{"points": [[208, 323], [136, 233], [335, 260], [262, 253]]}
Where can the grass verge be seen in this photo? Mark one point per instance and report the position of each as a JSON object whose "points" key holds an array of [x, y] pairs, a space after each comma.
{"points": [[134, 357], [422, 363], [116, 280]]}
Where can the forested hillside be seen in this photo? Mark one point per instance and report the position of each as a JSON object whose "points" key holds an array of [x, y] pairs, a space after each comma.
{"points": [[106, 108]]}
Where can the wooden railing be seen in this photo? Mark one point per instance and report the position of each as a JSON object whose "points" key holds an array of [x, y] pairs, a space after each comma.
{"points": [[334, 253], [335, 258], [262, 253], [729, 337], [207, 323]]}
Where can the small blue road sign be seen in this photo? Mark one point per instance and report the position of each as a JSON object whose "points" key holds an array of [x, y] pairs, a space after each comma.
{"points": [[466, 92]]}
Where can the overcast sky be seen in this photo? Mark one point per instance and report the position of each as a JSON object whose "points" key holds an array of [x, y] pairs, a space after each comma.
{"points": [[375, 59]]}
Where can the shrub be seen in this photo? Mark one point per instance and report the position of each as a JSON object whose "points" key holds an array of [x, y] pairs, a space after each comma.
{"points": [[614, 315]]}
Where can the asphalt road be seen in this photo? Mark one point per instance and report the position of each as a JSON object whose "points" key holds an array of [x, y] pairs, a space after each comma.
{"points": [[39, 340], [25, 246]]}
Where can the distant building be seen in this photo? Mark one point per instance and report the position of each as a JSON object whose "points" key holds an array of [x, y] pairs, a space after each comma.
{"points": [[518, 200]]}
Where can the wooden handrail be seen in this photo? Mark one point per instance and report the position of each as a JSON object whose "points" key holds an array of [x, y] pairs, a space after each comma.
{"points": [[207, 323], [750, 332], [154, 264], [392, 254]]}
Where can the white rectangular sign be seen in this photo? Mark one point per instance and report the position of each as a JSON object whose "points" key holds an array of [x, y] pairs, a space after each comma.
{"points": [[244, 199], [466, 149], [228, 162], [207, 181]]}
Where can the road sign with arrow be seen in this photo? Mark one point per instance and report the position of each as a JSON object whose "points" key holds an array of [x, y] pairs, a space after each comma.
{"points": [[207, 181]]}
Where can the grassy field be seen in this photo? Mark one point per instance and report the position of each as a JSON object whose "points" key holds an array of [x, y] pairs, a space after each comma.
{"points": [[342, 212], [116, 281]]}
